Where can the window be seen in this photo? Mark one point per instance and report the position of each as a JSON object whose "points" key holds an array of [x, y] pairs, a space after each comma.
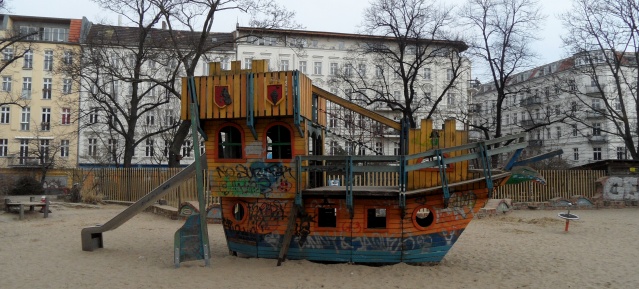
{"points": [[6, 83], [423, 217], [348, 70], [64, 148], [229, 143], [278, 141], [93, 115], [92, 148], [55, 34], [46, 119], [449, 74], [149, 151], [112, 149], [115, 89], [169, 119], [575, 154], [317, 68], [48, 60], [25, 118], [451, 99], [26, 87], [284, 64], [573, 107], [7, 54], [362, 69], [5, 114], [46, 88], [44, 151], [28, 60], [596, 103], [574, 130], [376, 218], [558, 132], [379, 148], [66, 116], [621, 153], [167, 147], [396, 150], [66, 86], [379, 72], [68, 57], [150, 119], [334, 148], [572, 87], [332, 70], [596, 154], [248, 62], [426, 73], [186, 149], [24, 151], [302, 66], [515, 119], [4, 145], [596, 129], [327, 217]]}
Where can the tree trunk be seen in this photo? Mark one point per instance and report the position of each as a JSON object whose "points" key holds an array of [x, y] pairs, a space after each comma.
{"points": [[176, 145]]}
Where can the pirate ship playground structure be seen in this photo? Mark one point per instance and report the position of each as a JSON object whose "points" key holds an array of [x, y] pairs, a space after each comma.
{"points": [[279, 194]]}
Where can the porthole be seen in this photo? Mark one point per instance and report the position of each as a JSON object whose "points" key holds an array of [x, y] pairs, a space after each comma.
{"points": [[423, 217], [238, 212]]}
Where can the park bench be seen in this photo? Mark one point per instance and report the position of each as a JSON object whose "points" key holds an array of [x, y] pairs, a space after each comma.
{"points": [[32, 204]]}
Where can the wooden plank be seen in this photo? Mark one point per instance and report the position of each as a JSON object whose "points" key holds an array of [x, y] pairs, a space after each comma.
{"points": [[356, 108], [184, 112]]}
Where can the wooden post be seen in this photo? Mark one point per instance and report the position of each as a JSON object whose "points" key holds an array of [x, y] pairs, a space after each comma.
{"points": [[21, 211], [46, 207]]}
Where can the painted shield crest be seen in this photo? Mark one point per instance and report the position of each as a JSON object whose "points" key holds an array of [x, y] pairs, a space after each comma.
{"points": [[222, 96], [274, 93]]}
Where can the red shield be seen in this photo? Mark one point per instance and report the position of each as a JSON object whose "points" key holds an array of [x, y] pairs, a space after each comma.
{"points": [[222, 96], [274, 93]]}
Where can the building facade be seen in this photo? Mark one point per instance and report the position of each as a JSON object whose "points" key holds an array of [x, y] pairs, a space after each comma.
{"points": [[572, 104], [38, 127], [328, 58]]}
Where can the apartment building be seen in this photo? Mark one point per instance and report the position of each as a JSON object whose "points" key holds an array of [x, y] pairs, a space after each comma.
{"points": [[38, 105], [124, 86], [571, 104], [326, 57]]}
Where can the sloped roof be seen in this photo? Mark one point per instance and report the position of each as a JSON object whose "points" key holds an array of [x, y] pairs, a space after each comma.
{"points": [[129, 36]]}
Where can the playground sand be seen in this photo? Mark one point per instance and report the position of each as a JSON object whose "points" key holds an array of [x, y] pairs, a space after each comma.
{"points": [[523, 249]]}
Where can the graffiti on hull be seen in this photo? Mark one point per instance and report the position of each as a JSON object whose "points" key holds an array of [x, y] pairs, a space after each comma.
{"points": [[259, 179]]}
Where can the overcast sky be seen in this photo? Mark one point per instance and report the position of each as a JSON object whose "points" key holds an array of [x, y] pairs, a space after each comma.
{"points": [[318, 15]]}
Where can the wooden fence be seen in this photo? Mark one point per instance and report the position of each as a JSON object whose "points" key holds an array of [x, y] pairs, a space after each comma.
{"points": [[559, 183], [133, 184]]}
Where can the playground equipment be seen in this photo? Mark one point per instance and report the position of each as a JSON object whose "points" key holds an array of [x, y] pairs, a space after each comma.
{"points": [[282, 198], [568, 217]]}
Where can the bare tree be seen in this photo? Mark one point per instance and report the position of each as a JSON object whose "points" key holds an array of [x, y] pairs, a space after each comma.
{"points": [[500, 37], [407, 38], [604, 37]]}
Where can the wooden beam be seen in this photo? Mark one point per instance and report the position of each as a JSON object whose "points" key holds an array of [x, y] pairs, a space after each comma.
{"points": [[356, 108]]}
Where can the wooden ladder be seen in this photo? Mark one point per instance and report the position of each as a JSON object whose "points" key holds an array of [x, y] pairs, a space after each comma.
{"points": [[288, 235]]}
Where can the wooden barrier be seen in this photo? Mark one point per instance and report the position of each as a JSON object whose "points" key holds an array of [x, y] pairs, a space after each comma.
{"points": [[132, 184]]}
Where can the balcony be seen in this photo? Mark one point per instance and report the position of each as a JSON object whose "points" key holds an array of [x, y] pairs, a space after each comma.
{"points": [[593, 89], [535, 143], [474, 108], [527, 122], [18, 161], [595, 113], [529, 101], [597, 139]]}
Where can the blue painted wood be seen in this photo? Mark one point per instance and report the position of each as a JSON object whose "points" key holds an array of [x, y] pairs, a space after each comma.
{"points": [[250, 102]]}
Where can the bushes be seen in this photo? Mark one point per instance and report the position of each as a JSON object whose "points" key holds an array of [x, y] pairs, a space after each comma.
{"points": [[26, 185]]}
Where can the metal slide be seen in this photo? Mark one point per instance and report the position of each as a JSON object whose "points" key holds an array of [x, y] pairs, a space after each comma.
{"points": [[92, 236]]}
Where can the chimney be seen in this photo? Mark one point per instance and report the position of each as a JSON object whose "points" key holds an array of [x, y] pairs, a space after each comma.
{"points": [[163, 25]]}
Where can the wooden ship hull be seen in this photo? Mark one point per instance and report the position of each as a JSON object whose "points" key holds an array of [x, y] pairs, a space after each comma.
{"points": [[281, 197]]}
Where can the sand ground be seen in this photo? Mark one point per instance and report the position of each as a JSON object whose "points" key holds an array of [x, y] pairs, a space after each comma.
{"points": [[523, 249]]}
